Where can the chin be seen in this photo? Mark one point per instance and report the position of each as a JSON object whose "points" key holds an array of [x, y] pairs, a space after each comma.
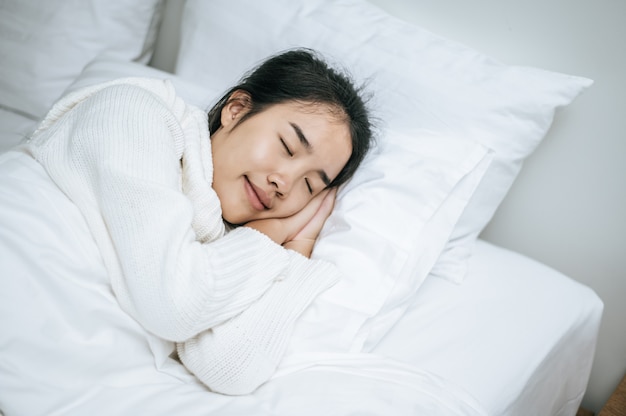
{"points": [[235, 219]]}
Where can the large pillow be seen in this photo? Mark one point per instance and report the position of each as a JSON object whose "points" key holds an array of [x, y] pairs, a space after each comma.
{"points": [[421, 82], [389, 226], [44, 44]]}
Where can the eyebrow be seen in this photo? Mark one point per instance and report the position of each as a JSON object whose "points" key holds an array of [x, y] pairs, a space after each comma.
{"points": [[307, 145], [305, 142]]}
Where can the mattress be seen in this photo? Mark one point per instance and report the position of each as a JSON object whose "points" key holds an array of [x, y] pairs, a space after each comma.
{"points": [[516, 335]]}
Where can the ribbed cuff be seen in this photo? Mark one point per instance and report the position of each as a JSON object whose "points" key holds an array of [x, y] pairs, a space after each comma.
{"points": [[243, 265]]}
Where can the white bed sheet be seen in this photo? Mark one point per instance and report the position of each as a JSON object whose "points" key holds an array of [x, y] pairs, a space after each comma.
{"points": [[14, 126], [516, 335]]}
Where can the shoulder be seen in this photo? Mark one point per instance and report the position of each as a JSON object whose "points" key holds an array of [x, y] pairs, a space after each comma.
{"points": [[142, 94]]}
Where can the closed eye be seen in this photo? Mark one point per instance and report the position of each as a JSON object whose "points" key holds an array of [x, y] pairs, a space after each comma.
{"points": [[308, 185], [289, 152]]}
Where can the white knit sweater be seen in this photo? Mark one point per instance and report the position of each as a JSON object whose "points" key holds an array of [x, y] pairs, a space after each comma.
{"points": [[136, 160]]}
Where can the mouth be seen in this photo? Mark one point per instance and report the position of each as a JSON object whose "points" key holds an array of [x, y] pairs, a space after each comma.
{"points": [[256, 196]]}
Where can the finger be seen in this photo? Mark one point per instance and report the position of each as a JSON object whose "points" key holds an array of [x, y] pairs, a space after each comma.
{"points": [[328, 203], [313, 227], [297, 221], [309, 210]]}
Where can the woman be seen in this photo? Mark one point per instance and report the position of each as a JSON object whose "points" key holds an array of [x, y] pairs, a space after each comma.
{"points": [[206, 240]]}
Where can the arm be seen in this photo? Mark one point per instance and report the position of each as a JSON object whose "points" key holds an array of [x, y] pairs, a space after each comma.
{"points": [[239, 355], [117, 156]]}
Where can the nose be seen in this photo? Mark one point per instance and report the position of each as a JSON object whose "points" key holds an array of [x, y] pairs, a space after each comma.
{"points": [[281, 182]]}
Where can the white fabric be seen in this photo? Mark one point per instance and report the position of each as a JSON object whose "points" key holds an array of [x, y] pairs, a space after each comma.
{"points": [[385, 234], [136, 160], [14, 128], [69, 349], [44, 44], [420, 81], [517, 335], [103, 69]]}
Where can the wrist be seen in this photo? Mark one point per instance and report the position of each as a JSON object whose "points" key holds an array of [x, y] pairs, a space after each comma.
{"points": [[271, 228], [303, 246]]}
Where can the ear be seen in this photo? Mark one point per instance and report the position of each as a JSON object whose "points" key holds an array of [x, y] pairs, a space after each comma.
{"points": [[237, 105]]}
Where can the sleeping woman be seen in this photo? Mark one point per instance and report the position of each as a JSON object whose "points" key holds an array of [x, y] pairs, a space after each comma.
{"points": [[206, 222]]}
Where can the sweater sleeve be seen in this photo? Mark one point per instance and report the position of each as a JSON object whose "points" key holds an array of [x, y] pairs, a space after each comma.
{"points": [[117, 156], [239, 355]]}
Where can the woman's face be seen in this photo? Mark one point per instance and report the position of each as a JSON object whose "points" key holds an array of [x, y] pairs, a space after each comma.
{"points": [[273, 163]]}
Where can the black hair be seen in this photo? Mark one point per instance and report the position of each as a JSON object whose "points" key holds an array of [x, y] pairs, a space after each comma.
{"points": [[303, 75]]}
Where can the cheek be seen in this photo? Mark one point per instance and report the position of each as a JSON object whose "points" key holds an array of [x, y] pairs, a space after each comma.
{"points": [[293, 205]]}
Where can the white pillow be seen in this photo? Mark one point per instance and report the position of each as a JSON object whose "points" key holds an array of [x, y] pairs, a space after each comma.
{"points": [[422, 82], [389, 225], [45, 44], [105, 69]]}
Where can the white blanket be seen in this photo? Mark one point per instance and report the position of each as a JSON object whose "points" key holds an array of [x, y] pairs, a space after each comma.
{"points": [[68, 349]]}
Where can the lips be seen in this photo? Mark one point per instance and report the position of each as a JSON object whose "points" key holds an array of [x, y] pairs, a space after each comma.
{"points": [[256, 196]]}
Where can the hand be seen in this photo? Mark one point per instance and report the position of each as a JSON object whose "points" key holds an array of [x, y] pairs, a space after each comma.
{"points": [[299, 231], [321, 211], [303, 240]]}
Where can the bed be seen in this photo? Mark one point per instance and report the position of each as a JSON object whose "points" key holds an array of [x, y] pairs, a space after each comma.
{"points": [[427, 319]]}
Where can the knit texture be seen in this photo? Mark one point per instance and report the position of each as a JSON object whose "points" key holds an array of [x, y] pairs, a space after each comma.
{"points": [[237, 357], [136, 160]]}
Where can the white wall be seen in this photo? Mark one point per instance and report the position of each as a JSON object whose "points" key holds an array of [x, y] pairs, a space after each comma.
{"points": [[568, 207]]}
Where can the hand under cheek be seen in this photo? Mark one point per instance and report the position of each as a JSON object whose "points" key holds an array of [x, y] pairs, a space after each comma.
{"points": [[299, 205]]}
